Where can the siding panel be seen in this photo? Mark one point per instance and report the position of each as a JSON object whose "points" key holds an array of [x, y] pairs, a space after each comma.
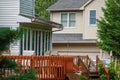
{"points": [[9, 10], [27, 7]]}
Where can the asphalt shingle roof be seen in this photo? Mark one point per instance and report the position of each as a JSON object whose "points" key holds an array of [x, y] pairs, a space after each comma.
{"points": [[67, 5]]}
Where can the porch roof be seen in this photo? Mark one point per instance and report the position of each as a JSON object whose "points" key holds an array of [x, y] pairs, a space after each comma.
{"points": [[42, 23]]}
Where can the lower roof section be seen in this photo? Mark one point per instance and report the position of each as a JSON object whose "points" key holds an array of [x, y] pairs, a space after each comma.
{"points": [[38, 22], [71, 38]]}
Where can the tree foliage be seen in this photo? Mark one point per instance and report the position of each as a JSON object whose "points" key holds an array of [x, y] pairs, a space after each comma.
{"points": [[8, 36], [41, 6], [30, 75], [109, 28]]}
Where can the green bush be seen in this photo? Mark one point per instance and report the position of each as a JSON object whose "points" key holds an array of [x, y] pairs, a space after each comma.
{"points": [[103, 77], [101, 72], [8, 63], [113, 72], [82, 77], [30, 75]]}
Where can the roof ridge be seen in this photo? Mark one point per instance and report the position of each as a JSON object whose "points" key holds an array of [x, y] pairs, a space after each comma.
{"points": [[67, 5]]}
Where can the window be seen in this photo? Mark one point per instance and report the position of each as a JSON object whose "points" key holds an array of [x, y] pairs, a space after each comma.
{"points": [[36, 40], [68, 19], [92, 17]]}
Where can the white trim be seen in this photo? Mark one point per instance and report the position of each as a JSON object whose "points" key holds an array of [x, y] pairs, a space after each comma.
{"points": [[37, 52], [31, 39], [41, 43], [44, 42], [47, 41], [27, 39], [68, 20], [83, 7], [50, 41], [57, 42], [68, 13]]}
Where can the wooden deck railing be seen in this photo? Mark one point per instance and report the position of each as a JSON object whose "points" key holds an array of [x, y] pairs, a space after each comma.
{"points": [[87, 65], [82, 61], [91, 64], [98, 61], [46, 67]]}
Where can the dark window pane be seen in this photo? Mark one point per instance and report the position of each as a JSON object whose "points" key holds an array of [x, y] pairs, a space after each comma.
{"points": [[28, 39], [92, 13], [33, 39], [92, 17], [92, 21]]}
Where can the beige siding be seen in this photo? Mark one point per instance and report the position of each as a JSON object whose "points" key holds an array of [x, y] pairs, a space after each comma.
{"points": [[79, 49], [82, 26], [76, 47], [9, 9], [56, 17], [82, 20], [90, 31]]}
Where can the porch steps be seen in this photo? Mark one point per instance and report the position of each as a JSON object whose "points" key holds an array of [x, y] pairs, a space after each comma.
{"points": [[94, 76]]}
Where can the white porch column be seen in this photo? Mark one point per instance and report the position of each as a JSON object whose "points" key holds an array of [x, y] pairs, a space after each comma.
{"points": [[101, 54]]}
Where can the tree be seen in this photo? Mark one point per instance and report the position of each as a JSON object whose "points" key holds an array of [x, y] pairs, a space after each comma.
{"points": [[41, 6], [8, 36], [109, 28]]}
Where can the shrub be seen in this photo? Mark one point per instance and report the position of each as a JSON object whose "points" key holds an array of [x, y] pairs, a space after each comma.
{"points": [[7, 63], [113, 72], [82, 77], [103, 77], [101, 72], [30, 75]]}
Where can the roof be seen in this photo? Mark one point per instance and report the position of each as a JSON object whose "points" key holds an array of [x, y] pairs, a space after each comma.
{"points": [[67, 5], [47, 23], [70, 38]]}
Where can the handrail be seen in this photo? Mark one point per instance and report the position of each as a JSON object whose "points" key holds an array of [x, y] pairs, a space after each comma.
{"points": [[98, 61], [83, 65], [91, 63], [77, 68]]}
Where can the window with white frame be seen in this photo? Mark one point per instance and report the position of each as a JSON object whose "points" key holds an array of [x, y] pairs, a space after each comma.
{"points": [[92, 20], [68, 19]]}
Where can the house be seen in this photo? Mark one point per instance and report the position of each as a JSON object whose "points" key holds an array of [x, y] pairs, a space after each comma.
{"points": [[79, 20], [37, 32]]}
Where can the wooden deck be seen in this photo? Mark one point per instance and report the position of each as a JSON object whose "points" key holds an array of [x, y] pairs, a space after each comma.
{"points": [[46, 67], [56, 67]]}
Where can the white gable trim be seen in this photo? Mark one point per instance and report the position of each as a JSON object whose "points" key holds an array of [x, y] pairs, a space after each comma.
{"points": [[83, 7], [23, 19]]}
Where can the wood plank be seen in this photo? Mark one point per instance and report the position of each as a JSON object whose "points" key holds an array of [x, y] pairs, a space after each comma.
{"points": [[72, 76]]}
